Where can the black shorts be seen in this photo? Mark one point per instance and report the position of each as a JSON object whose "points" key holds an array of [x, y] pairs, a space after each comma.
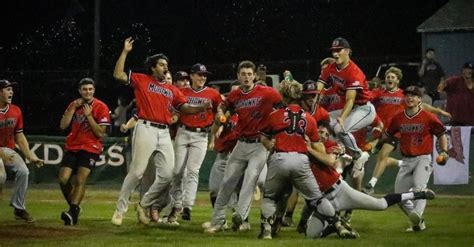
{"points": [[76, 159]]}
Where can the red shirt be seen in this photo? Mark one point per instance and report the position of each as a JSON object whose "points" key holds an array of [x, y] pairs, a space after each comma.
{"points": [[416, 132], [388, 104], [228, 138], [199, 97], [331, 101], [460, 102], [11, 122], [277, 126], [253, 108], [361, 135], [321, 114], [81, 136], [325, 175], [351, 77], [155, 99]]}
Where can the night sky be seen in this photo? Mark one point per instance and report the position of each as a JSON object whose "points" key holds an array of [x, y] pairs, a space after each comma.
{"points": [[58, 34]]}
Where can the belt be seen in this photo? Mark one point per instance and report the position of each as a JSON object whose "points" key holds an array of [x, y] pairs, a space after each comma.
{"points": [[157, 125], [333, 187], [249, 140], [205, 129]]}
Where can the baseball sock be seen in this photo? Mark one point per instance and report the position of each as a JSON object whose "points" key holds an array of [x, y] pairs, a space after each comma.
{"points": [[74, 209], [408, 196], [373, 181], [213, 200], [289, 214], [394, 198]]}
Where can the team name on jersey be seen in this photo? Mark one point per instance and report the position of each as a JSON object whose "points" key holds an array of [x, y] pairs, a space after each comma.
{"points": [[330, 99], [197, 100], [79, 118], [246, 103], [411, 128], [390, 100], [159, 90], [7, 123], [336, 79]]}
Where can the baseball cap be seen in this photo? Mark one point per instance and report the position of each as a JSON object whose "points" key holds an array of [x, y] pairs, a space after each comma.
{"points": [[340, 43], [468, 65], [180, 75], [262, 67], [6, 83], [413, 90], [199, 69], [309, 87]]}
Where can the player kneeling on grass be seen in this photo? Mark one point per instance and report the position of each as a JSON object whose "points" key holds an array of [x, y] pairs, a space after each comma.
{"points": [[342, 196], [288, 165], [11, 133], [88, 118]]}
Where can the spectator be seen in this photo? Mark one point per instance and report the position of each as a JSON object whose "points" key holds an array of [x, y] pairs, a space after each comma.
{"points": [[431, 73], [262, 77], [425, 98], [460, 96], [120, 115]]}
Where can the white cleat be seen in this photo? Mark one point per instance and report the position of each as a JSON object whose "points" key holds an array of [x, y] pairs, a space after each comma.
{"points": [[213, 229], [418, 224], [141, 215], [359, 164], [245, 227], [117, 218]]}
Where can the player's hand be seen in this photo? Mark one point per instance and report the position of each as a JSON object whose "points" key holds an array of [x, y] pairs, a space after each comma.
{"points": [[446, 114], [210, 146], [78, 103], [37, 162], [87, 109], [128, 44], [123, 128], [340, 121]]}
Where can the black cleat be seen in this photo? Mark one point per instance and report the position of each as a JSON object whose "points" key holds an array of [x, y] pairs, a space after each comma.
{"points": [[186, 215], [67, 218]]}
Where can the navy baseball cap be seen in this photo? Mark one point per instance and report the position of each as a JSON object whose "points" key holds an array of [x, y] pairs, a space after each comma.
{"points": [[6, 83], [413, 90], [180, 75], [310, 87], [340, 43], [468, 65], [199, 69]]}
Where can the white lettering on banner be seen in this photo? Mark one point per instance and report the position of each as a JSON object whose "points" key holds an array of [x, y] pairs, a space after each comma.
{"points": [[46, 153], [53, 154]]}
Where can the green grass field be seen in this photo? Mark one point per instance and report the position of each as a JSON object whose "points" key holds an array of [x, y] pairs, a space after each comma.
{"points": [[449, 220]]}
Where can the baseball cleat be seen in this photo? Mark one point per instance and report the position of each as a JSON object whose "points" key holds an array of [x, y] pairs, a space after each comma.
{"points": [[368, 189], [141, 215], [287, 221], [154, 215], [236, 221], [167, 221], [214, 228], [418, 224], [21, 214], [424, 194], [209, 224], [245, 227], [117, 218], [67, 218], [359, 164], [265, 231], [186, 215], [301, 228]]}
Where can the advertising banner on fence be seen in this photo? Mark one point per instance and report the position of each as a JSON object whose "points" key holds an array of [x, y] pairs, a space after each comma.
{"points": [[456, 170]]}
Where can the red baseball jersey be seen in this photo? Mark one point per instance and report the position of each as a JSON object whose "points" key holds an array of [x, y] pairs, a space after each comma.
{"points": [[321, 114], [351, 77], [331, 100], [325, 175], [361, 135], [388, 104], [416, 132], [288, 126], [228, 138], [253, 107], [11, 122], [155, 99], [199, 97], [81, 136]]}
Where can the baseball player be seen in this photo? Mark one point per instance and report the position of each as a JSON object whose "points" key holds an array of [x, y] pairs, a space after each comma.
{"points": [[151, 133], [349, 81], [416, 127], [344, 197], [288, 165], [388, 103], [253, 103], [11, 133], [88, 118], [191, 142]]}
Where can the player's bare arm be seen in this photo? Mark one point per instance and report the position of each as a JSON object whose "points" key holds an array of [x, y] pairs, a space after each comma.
{"points": [[22, 142], [318, 151], [67, 117], [119, 73], [98, 130], [350, 99], [443, 143], [436, 110]]}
